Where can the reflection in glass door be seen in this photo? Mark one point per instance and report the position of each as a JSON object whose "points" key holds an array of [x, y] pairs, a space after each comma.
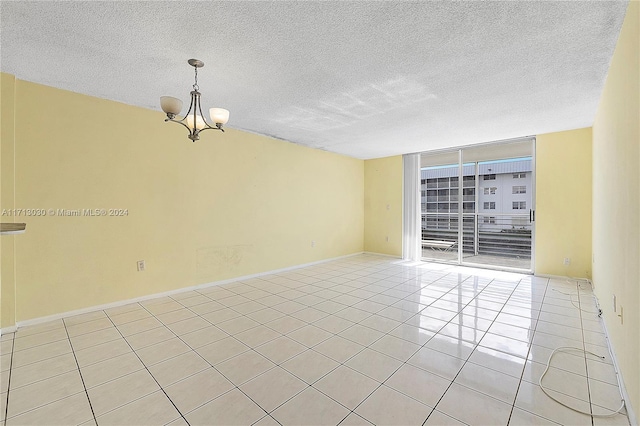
{"points": [[490, 192]]}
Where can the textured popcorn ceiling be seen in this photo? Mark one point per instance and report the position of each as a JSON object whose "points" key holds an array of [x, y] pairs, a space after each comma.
{"points": [[365, 79]]}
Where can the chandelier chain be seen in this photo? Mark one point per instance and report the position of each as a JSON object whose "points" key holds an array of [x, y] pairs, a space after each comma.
{"points": [[195, 84]]}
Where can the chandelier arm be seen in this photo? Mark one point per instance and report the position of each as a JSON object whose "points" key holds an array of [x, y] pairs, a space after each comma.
{"points": [[179, 122], [202, 115]]}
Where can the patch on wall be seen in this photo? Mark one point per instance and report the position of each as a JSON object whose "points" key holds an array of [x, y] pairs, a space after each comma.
{"points": [[212, 262]]}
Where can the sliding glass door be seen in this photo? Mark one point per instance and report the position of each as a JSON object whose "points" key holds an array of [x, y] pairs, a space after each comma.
{"points": [[478, 205]]}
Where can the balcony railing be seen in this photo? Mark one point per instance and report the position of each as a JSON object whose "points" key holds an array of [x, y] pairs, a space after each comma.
{"points": [[507, 235]]}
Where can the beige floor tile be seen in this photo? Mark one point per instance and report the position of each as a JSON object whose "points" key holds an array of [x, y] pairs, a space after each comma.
{"points": [[333, 324], [531, 398], [412, 334], [221, 315], [175, 316], [232, 408], [346, 386], [72, 410], [524, 418], [266, 421], [443, 365], [32, 340], [419, 384], [374, 364], [4, 381], [436, 418], [451, 346], [257, 336], [479, 408], [207, 307], [265, 315], [196, 390], [606, 396], [498, 361], [43, 392], [153, 409], [244, 367], [95, 338], [354, 420], [6, 346], [237, 325], [310, 407], [89, 326], [338, 348], [41, 370], [309, 335], [222, 350], [110, 369], [388, 407], [286, 324], [163, 308], [309, 315], [149, 337], [380, 323], [248, 307], [35, 354], [39, 328], [204, 336], [281, 349], [490, 382], [138, 326], [178, 368], [188, 325], [271, 389], [3, 406], [129, 316], [195, 300], [352, 314], [116, 393], [159, 352], [395, 347], [361, 334], [102, 352], [558, 380]]}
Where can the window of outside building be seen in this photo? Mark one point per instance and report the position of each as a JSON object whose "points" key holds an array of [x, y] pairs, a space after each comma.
{"points": [[489, 177], [490, 190], [519, 205], [489, 205], [519, 189], [519, 175], [489, 220]]}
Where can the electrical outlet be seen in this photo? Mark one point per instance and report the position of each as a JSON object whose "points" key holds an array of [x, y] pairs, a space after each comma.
{"points": [[141, 266], [386, 238], [313, 243], [388, 206], [567, 261]]}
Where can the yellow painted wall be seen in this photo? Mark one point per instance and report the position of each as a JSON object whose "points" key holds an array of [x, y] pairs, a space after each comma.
{"points": [[383, 205], [563, 203], [229, 205], [616, 202], [7, 272]]}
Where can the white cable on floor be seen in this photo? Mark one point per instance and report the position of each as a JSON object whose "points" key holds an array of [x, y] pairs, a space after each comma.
{"points": [[618, 411]]}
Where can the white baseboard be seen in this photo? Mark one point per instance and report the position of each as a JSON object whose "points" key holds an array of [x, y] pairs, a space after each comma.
{"points": [[54, 317], [623, 390]]}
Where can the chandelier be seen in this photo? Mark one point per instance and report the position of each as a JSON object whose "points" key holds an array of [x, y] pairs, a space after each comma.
{"points": [[194, 120]]}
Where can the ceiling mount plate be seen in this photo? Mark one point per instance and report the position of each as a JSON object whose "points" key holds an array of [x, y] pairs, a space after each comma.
{"points": [[196, 63]]}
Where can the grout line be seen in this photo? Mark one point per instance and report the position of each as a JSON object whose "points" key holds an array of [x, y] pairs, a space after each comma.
{"points": [[6, 407], [515, 397], [80, 373]]}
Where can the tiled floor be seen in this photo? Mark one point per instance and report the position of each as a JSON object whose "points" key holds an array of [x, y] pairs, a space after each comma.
{"points": [[361, 340]]}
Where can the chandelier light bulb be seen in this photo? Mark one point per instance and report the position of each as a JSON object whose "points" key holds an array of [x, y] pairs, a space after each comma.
{"points": [[219, 115], [199, 122]]}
